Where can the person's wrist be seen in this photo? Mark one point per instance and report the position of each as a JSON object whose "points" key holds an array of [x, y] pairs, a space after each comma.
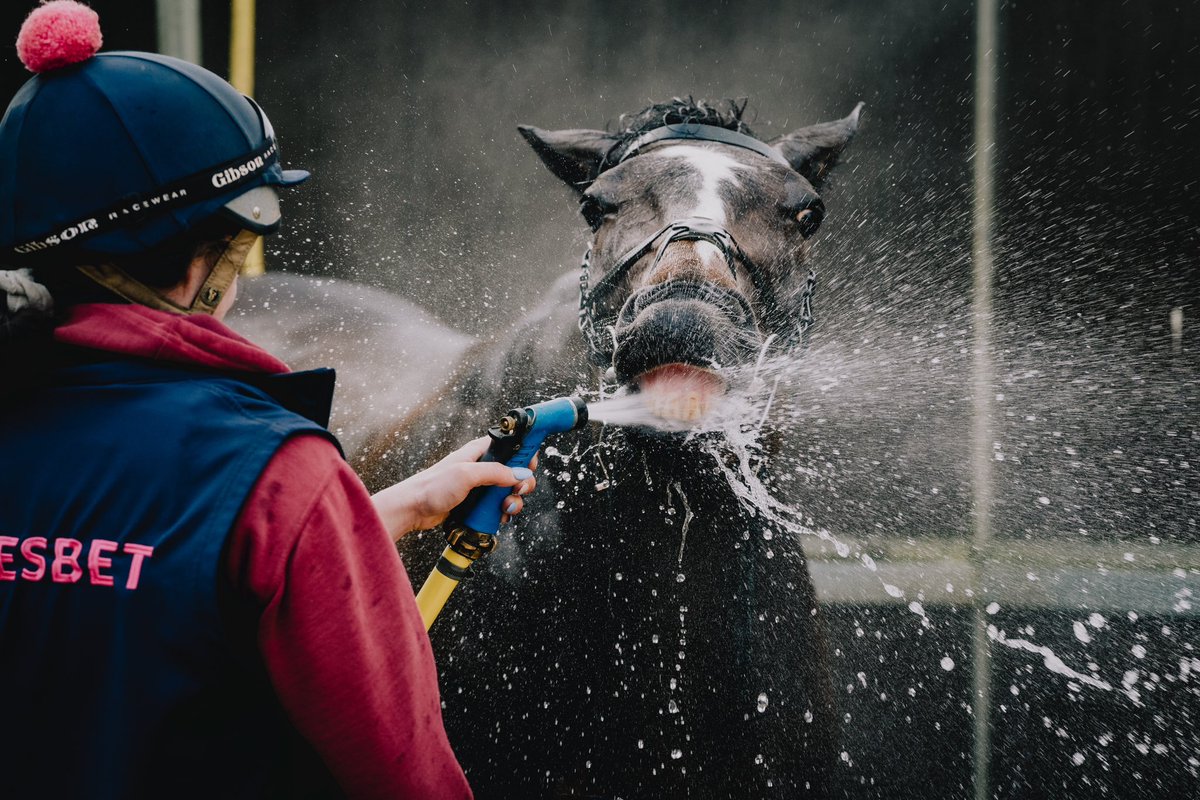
{"points": [[395, 510]]}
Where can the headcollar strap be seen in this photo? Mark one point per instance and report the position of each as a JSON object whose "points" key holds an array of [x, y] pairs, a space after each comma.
{"points": [[706, 133], [121, 283]]}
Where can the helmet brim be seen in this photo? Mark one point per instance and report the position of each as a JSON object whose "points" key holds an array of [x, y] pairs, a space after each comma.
{"points": [[256, 210], [291, 177]]}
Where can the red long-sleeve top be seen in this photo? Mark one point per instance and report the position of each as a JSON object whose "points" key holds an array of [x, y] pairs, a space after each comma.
{"points": [[337, 625]]}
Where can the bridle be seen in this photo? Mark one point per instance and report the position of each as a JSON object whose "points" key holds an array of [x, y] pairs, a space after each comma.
{"points": [[599, 332]]}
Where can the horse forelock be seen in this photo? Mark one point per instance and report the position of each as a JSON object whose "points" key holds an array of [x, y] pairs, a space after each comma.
{"points": [[726, 114]]}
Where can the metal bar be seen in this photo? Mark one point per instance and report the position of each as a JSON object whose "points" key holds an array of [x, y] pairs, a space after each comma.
{"points": [[986, 23], [179, 32], [1046, 552], [241, 75], [950, 583], [1176, 318], [241, 46]]}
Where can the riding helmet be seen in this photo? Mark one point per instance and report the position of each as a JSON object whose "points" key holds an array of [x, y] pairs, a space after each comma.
{"points": [[114, 153]]}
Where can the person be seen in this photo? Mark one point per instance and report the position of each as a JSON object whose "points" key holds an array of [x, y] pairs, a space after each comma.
{"points": [[198, 598]]}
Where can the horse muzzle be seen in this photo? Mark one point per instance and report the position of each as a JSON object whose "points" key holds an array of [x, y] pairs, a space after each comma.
{"points": [[682, 322]]}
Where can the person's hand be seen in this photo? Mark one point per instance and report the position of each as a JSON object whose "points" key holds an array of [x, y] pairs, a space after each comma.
{"points": [[423, 501]]}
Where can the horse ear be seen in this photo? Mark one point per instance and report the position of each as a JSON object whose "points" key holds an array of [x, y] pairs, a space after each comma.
{"points": [[813, 151], [575, 156]]}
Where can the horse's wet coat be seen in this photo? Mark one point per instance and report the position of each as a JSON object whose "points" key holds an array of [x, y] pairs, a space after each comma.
{"points": [[370, 336]]}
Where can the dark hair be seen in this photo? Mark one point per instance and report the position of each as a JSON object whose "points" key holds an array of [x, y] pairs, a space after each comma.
{"points": [[160, 267], [25, 335]]}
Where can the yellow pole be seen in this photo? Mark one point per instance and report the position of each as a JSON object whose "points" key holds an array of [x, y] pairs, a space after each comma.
{"points": [[438, 587], [241, 75]]}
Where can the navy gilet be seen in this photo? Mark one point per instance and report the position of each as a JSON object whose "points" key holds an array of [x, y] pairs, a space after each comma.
{"points": [[123, 673]]}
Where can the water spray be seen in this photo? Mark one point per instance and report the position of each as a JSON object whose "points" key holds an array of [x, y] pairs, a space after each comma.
{"points": [[675, 403], [471, 527]]}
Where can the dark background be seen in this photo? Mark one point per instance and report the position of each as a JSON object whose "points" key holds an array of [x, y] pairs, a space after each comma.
{"points": [[406, 113]]}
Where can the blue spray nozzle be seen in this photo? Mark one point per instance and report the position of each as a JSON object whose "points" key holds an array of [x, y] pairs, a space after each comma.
{"points": [[515, 440]]}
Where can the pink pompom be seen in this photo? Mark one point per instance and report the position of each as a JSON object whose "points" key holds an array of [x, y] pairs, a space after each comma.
{"points": [[57, 34]]}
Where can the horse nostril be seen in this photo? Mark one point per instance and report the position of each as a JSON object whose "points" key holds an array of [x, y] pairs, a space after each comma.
{"points": [[730, 302]]}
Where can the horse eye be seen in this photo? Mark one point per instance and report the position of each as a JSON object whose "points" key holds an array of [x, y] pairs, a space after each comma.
{"points": [[594, 211], [809, 219]]}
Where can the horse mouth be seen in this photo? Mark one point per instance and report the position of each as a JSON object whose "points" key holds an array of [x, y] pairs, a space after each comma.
{"points": [[680, 392], [674, 338]]}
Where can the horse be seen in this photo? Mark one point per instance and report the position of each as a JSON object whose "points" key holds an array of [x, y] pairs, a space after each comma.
{"points": [[367, 332], [643, 631]]}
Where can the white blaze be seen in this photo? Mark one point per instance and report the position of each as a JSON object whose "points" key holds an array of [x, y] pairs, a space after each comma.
{"points": [[714, 168]]}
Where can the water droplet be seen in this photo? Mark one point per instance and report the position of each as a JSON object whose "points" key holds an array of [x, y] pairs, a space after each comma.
{"points": [[672, 706], [758, 759], [679, 578], [762, 702], [676, 753]]}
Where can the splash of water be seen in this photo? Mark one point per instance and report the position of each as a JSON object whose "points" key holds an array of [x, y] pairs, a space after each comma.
{"points": [[1049, 659], [739, 416]]}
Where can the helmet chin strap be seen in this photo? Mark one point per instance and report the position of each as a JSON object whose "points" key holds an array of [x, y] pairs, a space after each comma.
{"points": [[224, 273], [212, 291]]}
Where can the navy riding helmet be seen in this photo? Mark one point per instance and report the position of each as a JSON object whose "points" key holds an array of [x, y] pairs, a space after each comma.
{"points": [[126, 150]]}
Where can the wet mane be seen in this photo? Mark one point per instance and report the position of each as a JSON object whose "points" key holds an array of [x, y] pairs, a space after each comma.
{"points": [[722, 113]]}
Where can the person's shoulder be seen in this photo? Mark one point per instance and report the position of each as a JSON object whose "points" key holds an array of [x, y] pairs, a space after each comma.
{"points": [[306, 489], [306, 454], [306, 471]]}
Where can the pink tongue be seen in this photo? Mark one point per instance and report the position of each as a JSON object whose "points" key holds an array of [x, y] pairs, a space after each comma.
{"points": [[680, 392]]}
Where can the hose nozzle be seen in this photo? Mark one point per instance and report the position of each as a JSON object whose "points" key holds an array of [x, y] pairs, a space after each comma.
{"points": [[471, 528]]}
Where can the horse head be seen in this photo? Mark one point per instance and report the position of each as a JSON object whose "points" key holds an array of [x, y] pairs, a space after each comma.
{"points": [[700, 241]]}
